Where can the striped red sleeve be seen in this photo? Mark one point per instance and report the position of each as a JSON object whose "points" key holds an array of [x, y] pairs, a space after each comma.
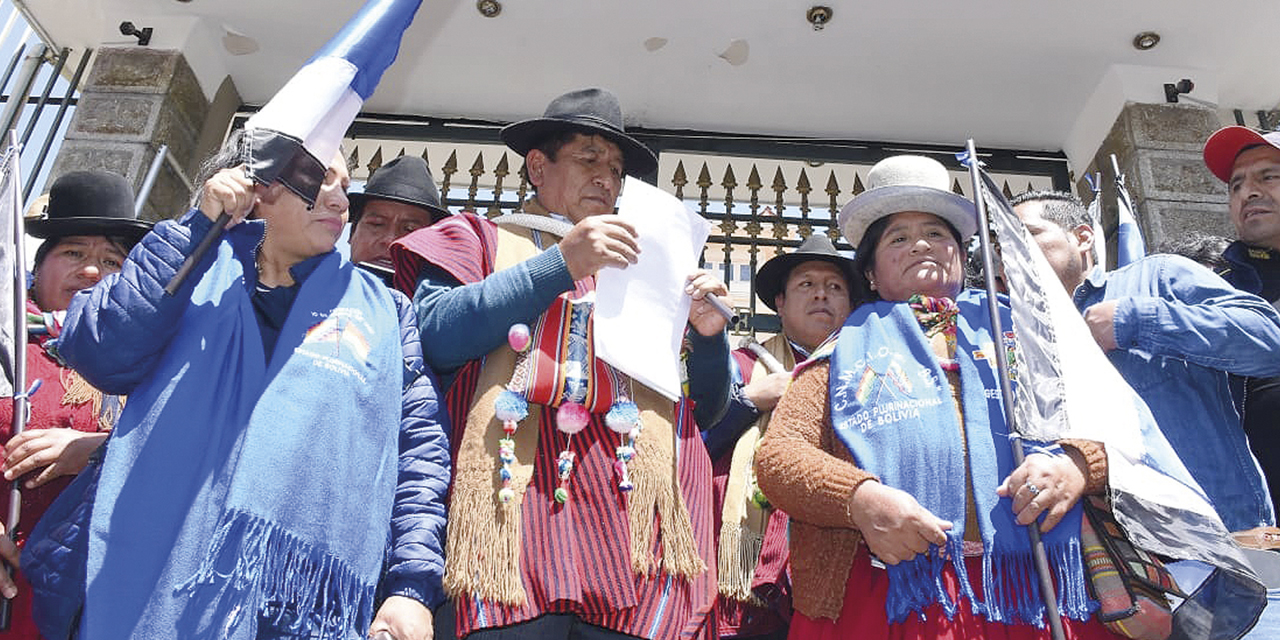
{"points": [[462, 245]]}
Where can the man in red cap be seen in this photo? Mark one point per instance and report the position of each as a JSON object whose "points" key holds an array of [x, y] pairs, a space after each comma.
{"points": [[1249, 162]]}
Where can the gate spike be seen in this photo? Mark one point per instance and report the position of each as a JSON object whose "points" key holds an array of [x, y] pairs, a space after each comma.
{"points": [[679, 179], [729, 180], [704, 177], [353, 160]]}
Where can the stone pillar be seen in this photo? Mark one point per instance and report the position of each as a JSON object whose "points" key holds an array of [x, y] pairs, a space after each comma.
{"points": [[135, 100], [1159, 149]]}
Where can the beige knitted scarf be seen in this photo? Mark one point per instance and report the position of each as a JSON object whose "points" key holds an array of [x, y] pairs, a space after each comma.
{"points": [[743, 521]]}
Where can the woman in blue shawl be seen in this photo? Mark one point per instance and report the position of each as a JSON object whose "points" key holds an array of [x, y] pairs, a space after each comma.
{"points": [[280, 468], [891, 453]]}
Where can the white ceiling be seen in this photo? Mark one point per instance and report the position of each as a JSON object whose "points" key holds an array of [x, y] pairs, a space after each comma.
{"points": [[1030, 74]]}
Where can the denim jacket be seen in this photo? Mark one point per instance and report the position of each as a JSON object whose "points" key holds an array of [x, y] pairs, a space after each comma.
{"points": [[1181, 331]]}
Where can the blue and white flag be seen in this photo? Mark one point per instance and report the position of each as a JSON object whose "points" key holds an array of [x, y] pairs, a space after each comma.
{"points": [[1129, 244], [1068, 389], [293, 138]]}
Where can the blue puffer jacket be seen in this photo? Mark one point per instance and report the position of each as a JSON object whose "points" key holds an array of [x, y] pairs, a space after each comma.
{"points": [[414, 564]]}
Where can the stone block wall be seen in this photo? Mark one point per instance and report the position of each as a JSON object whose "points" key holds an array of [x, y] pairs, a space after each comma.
{"points": [[1159, 149], [133, 101]]}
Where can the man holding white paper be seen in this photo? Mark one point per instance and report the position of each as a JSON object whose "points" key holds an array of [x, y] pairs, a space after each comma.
{"points": [[581, 501]]}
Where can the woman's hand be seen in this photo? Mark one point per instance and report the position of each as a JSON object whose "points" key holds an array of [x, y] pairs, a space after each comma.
{"points": [[61, 451], [1044, 484], [894, 525], [229, 191]]}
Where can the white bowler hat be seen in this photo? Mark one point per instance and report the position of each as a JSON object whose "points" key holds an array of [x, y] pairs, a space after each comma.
{"points": [[906, 183]]}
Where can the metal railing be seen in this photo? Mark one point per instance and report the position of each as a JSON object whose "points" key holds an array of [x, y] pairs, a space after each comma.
{"points": [[36, 95], [793, 186]]}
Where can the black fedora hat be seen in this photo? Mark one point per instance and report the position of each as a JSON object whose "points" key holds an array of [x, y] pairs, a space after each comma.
{"points": [[406, 179], [772, 276], [89, 203], [592, 111]]}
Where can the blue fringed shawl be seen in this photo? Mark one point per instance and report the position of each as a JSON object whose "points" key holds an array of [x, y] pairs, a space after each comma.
{"points": [[239, 493], [892, 407]]}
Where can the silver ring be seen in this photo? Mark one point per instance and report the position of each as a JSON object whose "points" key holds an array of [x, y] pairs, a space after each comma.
{"points": [[1035, 491]]}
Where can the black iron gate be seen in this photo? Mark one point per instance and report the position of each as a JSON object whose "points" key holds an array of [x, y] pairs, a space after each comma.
{"points": [[762, 194]]}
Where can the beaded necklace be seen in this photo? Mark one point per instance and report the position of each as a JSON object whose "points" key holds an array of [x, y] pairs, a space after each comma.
{"points": [[512, 406]]}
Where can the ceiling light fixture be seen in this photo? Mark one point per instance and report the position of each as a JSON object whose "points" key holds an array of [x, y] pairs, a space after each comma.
{"points": [[1146, 40], [818, 16], [489, 8]]}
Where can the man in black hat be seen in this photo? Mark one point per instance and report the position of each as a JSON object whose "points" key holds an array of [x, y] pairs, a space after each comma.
{"points": [[580, 502], [400, 197], [809, 288]]}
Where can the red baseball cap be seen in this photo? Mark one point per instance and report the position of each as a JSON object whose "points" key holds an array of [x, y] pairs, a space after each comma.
{"points": [[1221, 149]]}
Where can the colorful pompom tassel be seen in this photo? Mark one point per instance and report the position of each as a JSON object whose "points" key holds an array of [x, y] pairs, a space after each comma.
{"points": [[623, 418], [509, 407], [564, 465], [572, 417], [518, 337]]}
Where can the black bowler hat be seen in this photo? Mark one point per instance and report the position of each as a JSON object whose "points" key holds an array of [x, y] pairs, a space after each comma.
{"points": [[89, 203], [591, 111], [406, 179], [772, 276]]}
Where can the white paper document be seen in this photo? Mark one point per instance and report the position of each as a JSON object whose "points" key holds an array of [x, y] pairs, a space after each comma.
{"points": [[641, 311]]}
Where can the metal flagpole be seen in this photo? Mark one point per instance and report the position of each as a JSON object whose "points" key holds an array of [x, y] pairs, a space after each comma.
{"points": [[21, 394], [148, 182], [1047, 590]]}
